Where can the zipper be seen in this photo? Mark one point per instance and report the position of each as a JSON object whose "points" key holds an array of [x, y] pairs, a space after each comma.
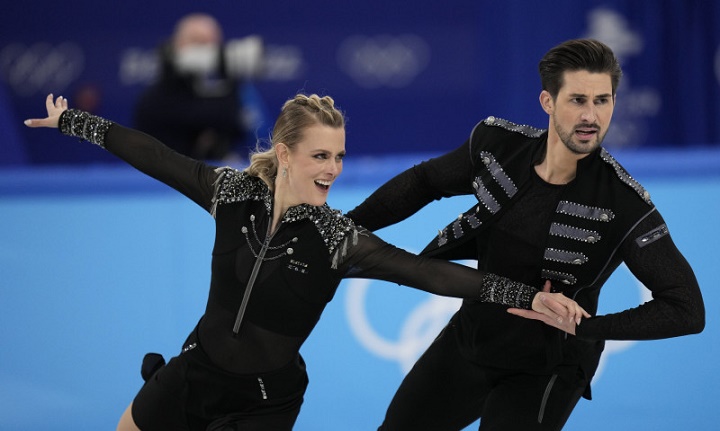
{"points": [[253, 277], [545, 397]]}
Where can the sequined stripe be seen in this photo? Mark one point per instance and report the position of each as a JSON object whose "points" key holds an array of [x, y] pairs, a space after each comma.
{"points": [[442, 237], [562, 277], [584, 211], [457, 229], [474, 222], [523, 129], [625, 176], [652, 236], [576, 233], [499, 174], [485, 197], [565, 256]]}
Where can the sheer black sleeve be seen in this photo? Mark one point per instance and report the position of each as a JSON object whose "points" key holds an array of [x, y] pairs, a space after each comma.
{"points": [[192, 178], [677, 306], [409, 191], [373, 258]]}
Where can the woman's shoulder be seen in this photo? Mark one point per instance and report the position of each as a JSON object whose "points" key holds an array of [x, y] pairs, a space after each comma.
{"points": [[338, 232], [233, 185]]}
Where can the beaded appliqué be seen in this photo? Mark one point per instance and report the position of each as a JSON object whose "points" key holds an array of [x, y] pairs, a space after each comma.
{"points": [[529, 131], [574, 233], [498, 173], [233, 185], [338, 232], [565, 256], [584, 211], [485, 197], [85, 126], [625, 176], [456, 226]]}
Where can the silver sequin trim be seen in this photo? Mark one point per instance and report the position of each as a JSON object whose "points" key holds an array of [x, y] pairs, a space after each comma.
{"points": [[625, 176], [237, 186], [575, 233], [500, 290], [498, 173], [83, 125], [565, 256], [457, 229], [484, 196], [474, 221], [584, 211], [529, 131]]}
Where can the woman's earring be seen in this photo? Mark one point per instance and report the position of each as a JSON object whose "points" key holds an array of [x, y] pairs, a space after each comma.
{"points": [[284, 174]]}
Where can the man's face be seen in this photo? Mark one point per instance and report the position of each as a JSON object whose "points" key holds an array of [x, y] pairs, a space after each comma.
{"points": [[581, 113]]}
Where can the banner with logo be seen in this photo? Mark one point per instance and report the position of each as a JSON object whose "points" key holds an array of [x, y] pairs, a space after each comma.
{"points": [[410, 78]]}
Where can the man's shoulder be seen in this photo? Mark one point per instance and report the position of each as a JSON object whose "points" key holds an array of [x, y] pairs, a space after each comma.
{"points": [[500, 135], [500, 124], [619, 173]]}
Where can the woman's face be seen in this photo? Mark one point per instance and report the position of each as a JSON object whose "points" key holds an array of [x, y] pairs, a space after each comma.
{"points": [[313, 165]]}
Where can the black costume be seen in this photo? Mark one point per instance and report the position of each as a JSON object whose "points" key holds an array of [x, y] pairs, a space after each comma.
{"points": [[501, 367], [268, 289]]}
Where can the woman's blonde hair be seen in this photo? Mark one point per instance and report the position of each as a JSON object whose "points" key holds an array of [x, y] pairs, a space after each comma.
{"points": [[296, 115]]}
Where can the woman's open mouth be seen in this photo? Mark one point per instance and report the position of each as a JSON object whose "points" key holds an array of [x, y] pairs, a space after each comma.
{"points": [[323, 185]]}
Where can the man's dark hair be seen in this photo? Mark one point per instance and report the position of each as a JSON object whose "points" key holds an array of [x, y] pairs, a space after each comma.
{"points": [[574, 55]]}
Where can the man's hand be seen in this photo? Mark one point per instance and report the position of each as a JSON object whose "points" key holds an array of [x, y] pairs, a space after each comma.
{"points": [[555, 309]]}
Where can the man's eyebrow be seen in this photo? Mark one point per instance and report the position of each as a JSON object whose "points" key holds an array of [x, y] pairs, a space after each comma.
{"points": [[599, 96]]}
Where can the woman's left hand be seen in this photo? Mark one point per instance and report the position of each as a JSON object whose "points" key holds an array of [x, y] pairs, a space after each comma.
{"points": [[54, 109]]}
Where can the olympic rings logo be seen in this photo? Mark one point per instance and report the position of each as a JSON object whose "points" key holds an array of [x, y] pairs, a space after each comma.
{"points": [[420, 327], [41, 67], [390, 61]]}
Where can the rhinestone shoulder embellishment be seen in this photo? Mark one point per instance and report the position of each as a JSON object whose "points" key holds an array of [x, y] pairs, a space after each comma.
{"points": [[625, 176], [529, 131]]}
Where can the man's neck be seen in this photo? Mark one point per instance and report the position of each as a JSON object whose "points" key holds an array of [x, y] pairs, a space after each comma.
{"points": [[559, 166]]}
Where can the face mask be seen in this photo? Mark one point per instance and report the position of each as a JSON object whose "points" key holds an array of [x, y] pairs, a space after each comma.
{"points": [[197, 59]]}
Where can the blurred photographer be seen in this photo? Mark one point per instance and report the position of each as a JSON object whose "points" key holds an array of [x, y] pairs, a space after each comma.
{"points": [[195, 106]]}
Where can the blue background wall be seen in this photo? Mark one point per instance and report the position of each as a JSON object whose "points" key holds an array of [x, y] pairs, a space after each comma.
{"points": [[99, 264]]}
